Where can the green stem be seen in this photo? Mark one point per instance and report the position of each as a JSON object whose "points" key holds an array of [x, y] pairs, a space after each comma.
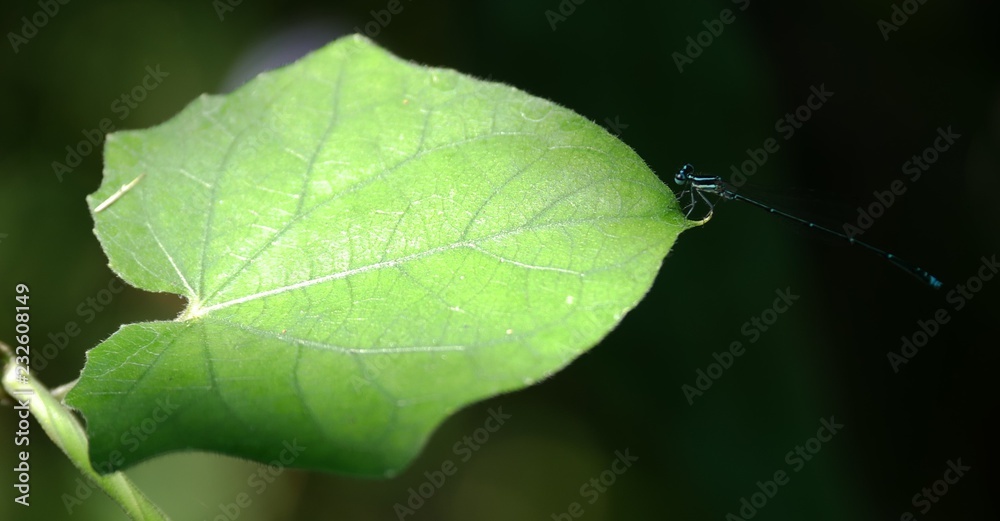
{"points": [[66, 432]]}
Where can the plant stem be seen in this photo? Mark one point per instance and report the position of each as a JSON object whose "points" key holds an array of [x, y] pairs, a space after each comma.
{"points": [[62, 427]]}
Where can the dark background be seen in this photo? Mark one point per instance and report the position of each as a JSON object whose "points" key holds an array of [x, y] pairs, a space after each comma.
{"points": [[610, 61]]}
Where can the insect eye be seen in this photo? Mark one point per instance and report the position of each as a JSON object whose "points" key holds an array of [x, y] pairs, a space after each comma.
{"points": [[682, 175]]}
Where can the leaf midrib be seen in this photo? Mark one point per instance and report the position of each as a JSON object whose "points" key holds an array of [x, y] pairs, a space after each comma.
{"points": [[195, 311]]}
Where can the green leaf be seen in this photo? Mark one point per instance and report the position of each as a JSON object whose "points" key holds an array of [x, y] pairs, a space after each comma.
{"points": [[63, 429], [365, 245]]}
